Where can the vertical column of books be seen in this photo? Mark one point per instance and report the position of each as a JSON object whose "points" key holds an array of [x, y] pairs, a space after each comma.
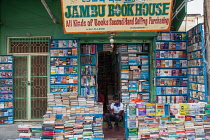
{"points": [[197, 65], [64, 66], [171, 67], [88, 59], [134, 71], [6, 89]]}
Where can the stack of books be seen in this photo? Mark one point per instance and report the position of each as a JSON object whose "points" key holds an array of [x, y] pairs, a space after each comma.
{"points": [[78, 127], [24, 131], [36, 130], [206, 126], [59, 129], [171, 127], [82, 101], [199, 130], [98, 128], [190, 130], [47, 131], [48, 126], [88, 127], [90, 102], [181, 130], [69, 127]]}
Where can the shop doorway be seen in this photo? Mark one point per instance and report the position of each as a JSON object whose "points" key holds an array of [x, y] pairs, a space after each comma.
{"points": [[108, 87], [31, 62], [123, 71]]}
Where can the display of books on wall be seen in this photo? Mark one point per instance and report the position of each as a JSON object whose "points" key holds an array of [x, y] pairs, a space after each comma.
{"points": [[63, 61], [64, 79], [171, 67], [171, 72], [64, 65], [172, 81], [171, 90], [64, 52], [88, 69], [63, 70], [175, 36], [171, 63], [134, 71], [63, 43], [197, 66], [171, 99], [63, 88], [171, 54], [6, 89], [133, 48], [171, 45]]}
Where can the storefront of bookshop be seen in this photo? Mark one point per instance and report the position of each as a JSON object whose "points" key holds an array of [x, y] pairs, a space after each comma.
{"points": [[98, 49]]}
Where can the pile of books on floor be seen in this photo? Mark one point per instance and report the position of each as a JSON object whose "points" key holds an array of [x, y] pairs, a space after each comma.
{"points": [[169, 130], [97, 109], [183, 121], [68, 127], [98, 128], [69, 99], [30, 130], [68, 117]]}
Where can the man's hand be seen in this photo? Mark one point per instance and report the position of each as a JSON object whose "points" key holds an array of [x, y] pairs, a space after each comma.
{"points": [[111, 111]]}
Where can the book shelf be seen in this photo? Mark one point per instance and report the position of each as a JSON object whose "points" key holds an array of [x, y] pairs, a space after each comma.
{"points": [[6, 90], [63, 65], [134, 71], [88, 62], [197, 65], [171, 67]]}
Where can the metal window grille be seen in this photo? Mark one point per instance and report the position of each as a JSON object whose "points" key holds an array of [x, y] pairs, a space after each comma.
{"points": [[28, 44]]}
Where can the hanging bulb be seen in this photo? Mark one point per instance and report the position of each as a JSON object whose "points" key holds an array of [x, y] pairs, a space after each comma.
{"points": [[112, 46], [111, 40]]}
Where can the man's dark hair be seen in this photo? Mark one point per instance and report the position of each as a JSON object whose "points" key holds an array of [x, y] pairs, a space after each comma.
{"points": [[116, 98]]}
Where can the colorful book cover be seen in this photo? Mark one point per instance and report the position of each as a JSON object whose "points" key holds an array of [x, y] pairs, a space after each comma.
{"points": [[157, 45], [184, 109], [160, 109], [132, 109], [178, 45], [166, 45], [207, 109], [150, 109], [141, 110]]}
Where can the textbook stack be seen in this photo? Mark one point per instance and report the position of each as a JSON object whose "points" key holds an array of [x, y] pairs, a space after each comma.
{"points": [[71, 116], [98, 128], [48, 126], [183, 121], [24, 131], [30, 131], [36, 130], [88, 127]]}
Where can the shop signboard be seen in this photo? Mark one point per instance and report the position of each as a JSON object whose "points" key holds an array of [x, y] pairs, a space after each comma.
{"points": [[101, 16]]}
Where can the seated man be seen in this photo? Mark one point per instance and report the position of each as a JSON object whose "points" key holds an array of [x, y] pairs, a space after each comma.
{"points": [[116, 113]]}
